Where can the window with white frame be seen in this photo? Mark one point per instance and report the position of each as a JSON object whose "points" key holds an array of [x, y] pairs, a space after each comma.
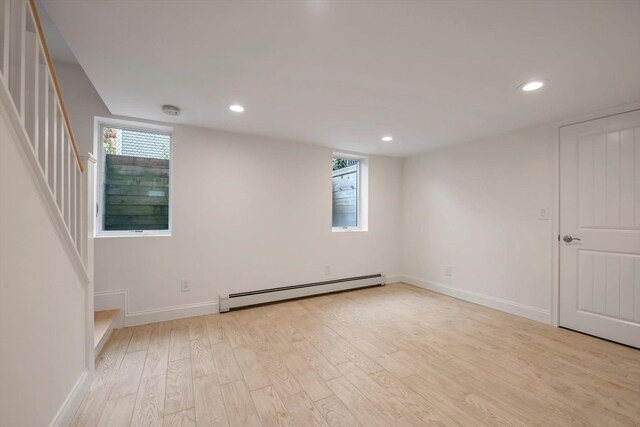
{"points": [[134, 179], [348, 193]]}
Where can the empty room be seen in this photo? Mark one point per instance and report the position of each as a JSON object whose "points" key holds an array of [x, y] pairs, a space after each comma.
{"points": [[319, 213]]}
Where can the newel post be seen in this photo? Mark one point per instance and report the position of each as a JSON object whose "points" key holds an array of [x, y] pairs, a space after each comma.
{"points": [[88, 217]]}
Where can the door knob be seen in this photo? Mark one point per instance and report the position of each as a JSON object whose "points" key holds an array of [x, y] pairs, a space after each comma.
{"points": [[569, 239]]}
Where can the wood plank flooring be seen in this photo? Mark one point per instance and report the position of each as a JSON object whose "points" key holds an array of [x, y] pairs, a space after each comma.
{"points": [[387, 356]]}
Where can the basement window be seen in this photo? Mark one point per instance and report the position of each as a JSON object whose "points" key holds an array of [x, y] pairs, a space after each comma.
{"points": [[349, 193], [134, 177]]}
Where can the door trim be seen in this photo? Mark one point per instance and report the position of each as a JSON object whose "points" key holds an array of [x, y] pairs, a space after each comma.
{"points": [[555, 209]]}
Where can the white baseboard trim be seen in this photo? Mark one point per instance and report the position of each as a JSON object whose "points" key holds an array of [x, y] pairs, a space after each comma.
{"points": [[170, 313], [511, 307], [73, 401], [120, 299], [393, 278]]}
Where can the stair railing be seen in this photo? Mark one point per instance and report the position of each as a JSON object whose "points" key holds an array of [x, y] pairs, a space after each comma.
{"points": [[31, 94]]}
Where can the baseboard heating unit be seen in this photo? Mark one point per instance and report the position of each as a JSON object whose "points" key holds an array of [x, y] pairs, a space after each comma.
{"points": [[244, 299]]}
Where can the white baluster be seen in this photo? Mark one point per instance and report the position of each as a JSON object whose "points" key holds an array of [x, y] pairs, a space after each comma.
{"points": [[72, 204], [31, 84], [79, 211], [44, 117], [76, 206], [69, 169], [5, 14], [54, 146], [18, 14], [36, 94], [62, 169]]}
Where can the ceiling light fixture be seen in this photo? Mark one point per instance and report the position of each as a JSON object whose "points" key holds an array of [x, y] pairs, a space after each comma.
{"points": [[387, 138], [532, 85], [236, 108], [171, 110]]}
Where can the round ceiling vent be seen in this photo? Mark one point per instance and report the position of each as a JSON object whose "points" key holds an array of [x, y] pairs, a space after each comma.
{"points": [[171, 110]]}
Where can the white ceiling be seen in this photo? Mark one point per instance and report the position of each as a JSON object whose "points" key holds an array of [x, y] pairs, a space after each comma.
{"points": [[345, 73]]}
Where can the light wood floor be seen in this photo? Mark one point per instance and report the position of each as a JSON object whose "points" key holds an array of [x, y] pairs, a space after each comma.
{"points": [[393, 356]]}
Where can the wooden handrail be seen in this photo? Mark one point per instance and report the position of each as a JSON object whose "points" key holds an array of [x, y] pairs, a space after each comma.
{"points": [[54, 77]]}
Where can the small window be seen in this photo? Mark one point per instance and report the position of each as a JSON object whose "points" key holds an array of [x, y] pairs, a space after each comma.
{"points": [[347, 206], [135, 181]]}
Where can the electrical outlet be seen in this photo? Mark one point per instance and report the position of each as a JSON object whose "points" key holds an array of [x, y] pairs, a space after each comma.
{"points": [[447, 270], [327, 270], [185, 285]]}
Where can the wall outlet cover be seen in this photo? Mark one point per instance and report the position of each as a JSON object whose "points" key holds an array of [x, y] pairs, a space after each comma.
{"points": [[447, 270]]}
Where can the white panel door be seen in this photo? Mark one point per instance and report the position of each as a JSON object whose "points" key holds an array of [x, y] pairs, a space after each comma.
{"points": [[600, 211]]}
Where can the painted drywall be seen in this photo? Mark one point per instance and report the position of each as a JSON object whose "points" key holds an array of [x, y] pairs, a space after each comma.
{"points": [[237, 226], [247, 213], [476, 207], [82, 101], [42, 300]]}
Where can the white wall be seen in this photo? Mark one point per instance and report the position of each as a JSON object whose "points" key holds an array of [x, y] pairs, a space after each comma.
{"points": [[475, 207], [248, 213], [42, 300], [82, 102]]}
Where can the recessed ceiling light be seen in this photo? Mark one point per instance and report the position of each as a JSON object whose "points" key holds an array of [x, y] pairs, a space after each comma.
{"points": [[236, 108], [532, 85], [387, 138]]}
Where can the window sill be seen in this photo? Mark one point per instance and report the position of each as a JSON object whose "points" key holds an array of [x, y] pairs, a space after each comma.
{"points": [[111, 235], [347, 230]]}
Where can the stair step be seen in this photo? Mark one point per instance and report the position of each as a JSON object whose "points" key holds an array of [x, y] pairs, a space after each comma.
{"points": [[102, 327]]}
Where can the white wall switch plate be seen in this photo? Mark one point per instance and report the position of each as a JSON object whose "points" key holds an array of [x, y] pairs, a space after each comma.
{"points": [[543, 214]]}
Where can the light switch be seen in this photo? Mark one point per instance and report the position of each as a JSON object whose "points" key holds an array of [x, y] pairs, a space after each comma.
{"points": [[544, 213]]}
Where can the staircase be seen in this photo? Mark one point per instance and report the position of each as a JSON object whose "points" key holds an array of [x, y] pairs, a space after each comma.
{"points": [[103, 322], [31, 92], [32, 103]]}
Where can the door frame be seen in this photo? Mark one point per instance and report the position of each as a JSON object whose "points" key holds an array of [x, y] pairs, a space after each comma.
{"points": [[555, 209]]}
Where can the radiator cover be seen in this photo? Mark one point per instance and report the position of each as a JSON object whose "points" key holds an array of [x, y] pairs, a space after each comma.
{"points": [[262, 296]]}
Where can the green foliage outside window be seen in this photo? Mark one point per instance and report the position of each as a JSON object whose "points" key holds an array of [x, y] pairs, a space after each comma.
{"points": [[110, 140], [339, 164]]}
